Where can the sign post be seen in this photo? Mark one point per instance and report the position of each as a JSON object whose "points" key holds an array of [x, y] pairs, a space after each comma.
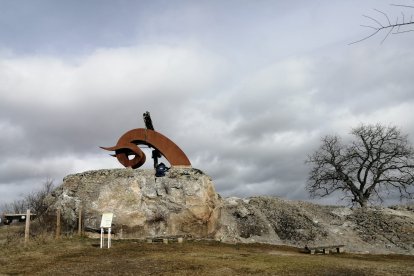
{"points": [[58, 229], [27, 228], [106, 222], [80, 222]]}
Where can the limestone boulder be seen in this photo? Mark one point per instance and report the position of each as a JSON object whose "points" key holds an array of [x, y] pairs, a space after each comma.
{"points": [[184, 202]]}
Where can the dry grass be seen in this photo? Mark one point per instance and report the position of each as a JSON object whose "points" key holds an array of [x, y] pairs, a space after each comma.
{"points": [[82, 256]]}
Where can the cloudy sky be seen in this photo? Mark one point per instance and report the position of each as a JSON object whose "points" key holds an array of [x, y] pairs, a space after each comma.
{"points": [[245, 88]]}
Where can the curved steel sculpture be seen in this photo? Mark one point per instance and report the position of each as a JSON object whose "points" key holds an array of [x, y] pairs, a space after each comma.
{"points": [[127, 145]]}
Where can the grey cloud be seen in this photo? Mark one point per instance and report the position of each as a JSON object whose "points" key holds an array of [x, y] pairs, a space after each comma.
{"points": [[266, 142], [246, 96], [368, 79], [17, 169], [94, 110]]}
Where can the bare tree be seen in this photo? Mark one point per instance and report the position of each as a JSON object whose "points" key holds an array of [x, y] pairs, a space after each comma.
{"points": [[385, 23], [378, 160], [35, 201]]}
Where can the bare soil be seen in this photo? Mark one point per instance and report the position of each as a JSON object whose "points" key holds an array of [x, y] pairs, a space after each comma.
{"points": [[82, 256]]}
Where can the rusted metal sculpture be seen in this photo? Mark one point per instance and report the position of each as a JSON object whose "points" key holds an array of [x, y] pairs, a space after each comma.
{"points": [[127, 145]]}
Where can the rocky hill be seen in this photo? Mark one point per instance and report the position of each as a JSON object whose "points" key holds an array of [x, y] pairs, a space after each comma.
{"points": [[185, 203], [279, 221]]}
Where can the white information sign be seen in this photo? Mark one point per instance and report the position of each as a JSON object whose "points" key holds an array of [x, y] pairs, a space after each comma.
{"points": [[106, 221]]}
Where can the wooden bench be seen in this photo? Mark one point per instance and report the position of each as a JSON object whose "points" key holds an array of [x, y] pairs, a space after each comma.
{"points": [[165, 240], [325, 249]]}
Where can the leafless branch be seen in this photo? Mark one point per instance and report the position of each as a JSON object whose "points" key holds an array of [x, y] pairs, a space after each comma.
{"points": [[387, 35], [373, 19], [402, 32], [389, 22], [390, 28], [404, 6]]}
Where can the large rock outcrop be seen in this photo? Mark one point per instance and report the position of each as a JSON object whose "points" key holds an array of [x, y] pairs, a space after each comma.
{"points": [[182, 203]]}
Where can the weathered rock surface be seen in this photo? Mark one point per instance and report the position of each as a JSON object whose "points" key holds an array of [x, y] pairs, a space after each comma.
{"points": [[273, 220], [184, 202]]}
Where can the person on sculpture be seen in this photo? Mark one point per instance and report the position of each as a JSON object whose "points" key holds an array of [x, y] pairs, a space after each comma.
{"points": [[160, 170], [155, 155]]}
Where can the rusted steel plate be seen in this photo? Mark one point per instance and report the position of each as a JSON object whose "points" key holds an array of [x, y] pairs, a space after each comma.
{"points": [[128, 145]]}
